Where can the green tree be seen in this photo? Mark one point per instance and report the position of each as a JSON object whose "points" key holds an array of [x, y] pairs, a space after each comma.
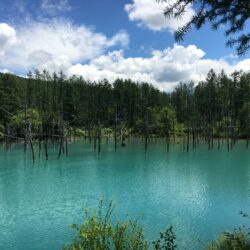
{"points": [[24, 119], [232, 13], [167, 120]]}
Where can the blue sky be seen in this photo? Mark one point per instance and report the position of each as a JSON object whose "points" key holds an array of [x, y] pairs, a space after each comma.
{"points": [[109, 39]]}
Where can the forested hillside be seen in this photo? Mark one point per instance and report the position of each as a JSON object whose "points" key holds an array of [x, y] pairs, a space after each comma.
{"points": [[49, 106]]}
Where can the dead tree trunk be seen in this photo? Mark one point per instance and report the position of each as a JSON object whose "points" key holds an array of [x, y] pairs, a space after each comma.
{"points": [[40, 147], [60, 148], [7, 139], [66, 146], [62, 138], [46, 149], [95, 137], [99, 137], [146, 132], [32, 150], [115, 132], [31, 143], [188, 138], [168, 141]]}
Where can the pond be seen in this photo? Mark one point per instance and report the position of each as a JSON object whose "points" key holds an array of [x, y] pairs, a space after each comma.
{"points": [[200, 192]]}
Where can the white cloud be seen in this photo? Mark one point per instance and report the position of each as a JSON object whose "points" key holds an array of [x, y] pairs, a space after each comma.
{"points": [[53, 7], [149, 13], [5, 71], [243, 65], [7, 39], [164, 69], [53, 45], [60, 45]]}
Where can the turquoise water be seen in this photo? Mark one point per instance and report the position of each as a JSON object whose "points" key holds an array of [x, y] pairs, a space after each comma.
{"points": [[200, 193]]}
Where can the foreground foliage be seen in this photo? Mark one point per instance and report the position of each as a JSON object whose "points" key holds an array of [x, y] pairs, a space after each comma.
{"points": [[238, 239], [233, 14], [166, 240], [99, 233]]}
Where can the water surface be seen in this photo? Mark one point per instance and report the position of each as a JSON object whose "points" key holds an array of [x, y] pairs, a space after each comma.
{"points": [[200, 193]]}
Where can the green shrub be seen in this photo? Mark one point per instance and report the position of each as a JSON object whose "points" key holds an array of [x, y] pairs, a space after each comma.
{"points": [[21, 119], [230, 241], [79, 132], [98, 233], [239, 239], [166, 240]]}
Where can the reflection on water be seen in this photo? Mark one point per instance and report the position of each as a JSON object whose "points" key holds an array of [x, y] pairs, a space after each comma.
{"points": [[200, 193]]}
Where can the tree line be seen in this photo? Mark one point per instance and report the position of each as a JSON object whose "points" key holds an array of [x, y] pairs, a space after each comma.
{"points": [[47, 108]]}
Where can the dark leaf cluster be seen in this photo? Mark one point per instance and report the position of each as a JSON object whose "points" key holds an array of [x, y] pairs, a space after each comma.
{"points": [[233, 14]]}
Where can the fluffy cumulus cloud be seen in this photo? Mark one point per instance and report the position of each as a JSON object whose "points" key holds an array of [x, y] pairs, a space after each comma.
{"points": [[149, 13], [78, 50], [54, 45], [7, 38], [164, 69]]}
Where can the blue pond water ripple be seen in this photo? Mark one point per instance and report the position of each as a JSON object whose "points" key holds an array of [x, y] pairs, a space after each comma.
{"points": [[200, 193]]}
